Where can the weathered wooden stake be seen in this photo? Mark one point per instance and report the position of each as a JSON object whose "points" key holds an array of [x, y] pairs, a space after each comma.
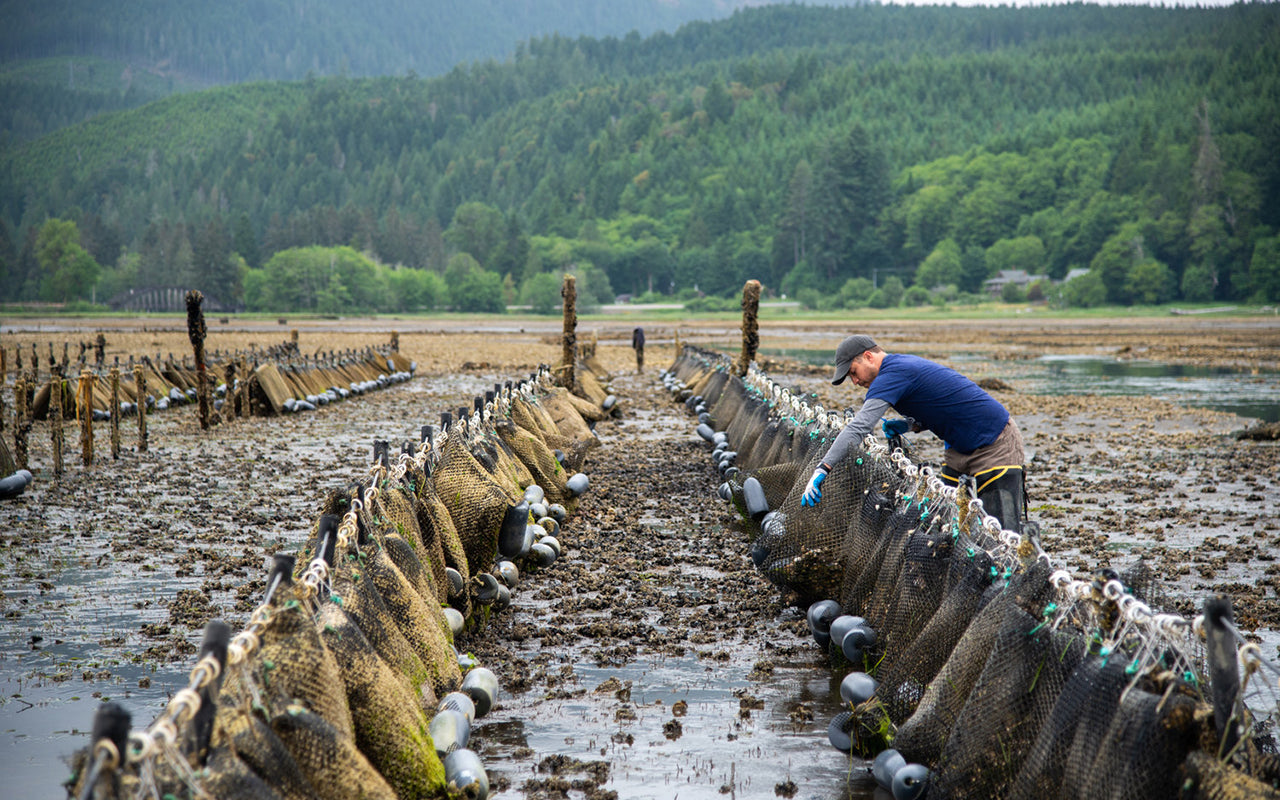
{"points": [[229, 399], [3, 374], [21, 423], [84, 410], [251, 389], [750, 327], [55, 420], [115, 412], [569, 339], [196, 332], [244, 388], [140, 381], [100, 349], [395, 341]]}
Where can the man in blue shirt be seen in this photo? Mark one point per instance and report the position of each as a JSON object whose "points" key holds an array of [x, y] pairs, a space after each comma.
{"points": [[981, 440]]}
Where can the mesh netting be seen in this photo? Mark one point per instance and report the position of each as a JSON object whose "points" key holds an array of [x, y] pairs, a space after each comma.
{"points": [[568, 420], [476, 502], [296, 667], [232, 779], [540, 461], [390, 726], [422, 625], [337, 764], [256, 747], [439, 533], [909, 667], [405, 557], [1023, 675], [419, 557]]}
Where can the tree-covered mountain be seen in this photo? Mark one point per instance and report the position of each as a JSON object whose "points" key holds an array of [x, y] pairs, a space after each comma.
{"points": [[242, 40], [63, 61], [817, 149]]}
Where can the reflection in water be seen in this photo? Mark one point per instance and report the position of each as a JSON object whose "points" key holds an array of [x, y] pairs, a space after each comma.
{"points": [[747, 735], [1244, 393]]}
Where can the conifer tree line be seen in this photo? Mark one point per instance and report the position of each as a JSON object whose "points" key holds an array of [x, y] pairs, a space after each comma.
{"points": [[846, 157]]}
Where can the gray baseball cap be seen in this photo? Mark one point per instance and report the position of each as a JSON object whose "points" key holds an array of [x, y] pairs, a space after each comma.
{"points": [[848, 350]]}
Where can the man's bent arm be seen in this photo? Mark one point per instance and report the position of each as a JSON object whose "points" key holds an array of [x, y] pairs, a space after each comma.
{"points": [[857, 428]]}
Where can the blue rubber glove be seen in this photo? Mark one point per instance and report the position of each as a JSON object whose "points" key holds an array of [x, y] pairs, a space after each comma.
{"points": [[813, 492], [895, 427]]}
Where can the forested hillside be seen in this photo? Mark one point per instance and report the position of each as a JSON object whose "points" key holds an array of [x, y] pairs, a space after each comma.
{"points": [[852, 156], [64, 61]]}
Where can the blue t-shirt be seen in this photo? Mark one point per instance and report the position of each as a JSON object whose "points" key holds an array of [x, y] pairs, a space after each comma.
{"points": [[940, 399]]}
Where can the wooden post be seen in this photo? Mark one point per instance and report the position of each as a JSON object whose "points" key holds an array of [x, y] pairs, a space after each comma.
{"points": [[750, 327], [229, 398], [395, 341], [569, 339], [196, 332], [100, 349], [84, 410], [140, 381], [115, 412], [244, 388], [55, 419], [21, 422], [253, 396], [3, 374]]}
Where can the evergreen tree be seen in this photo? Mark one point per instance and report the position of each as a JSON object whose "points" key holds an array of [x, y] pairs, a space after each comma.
{"points": [[245, 242]]}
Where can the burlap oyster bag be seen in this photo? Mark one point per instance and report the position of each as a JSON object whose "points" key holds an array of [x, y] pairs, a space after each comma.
{"points": [[539, 460], [242, 733], [339, 767], [422, 625], [391, 729], [476, 502]]}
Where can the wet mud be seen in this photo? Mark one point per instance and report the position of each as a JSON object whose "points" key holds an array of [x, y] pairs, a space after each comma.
{"points": [[652, 660]]}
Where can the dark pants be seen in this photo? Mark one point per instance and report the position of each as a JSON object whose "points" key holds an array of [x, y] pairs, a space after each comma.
{"points": [[1002, 491]]}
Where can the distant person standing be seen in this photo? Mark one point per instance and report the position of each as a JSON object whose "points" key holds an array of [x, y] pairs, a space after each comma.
{"points": [[637, 342]]}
